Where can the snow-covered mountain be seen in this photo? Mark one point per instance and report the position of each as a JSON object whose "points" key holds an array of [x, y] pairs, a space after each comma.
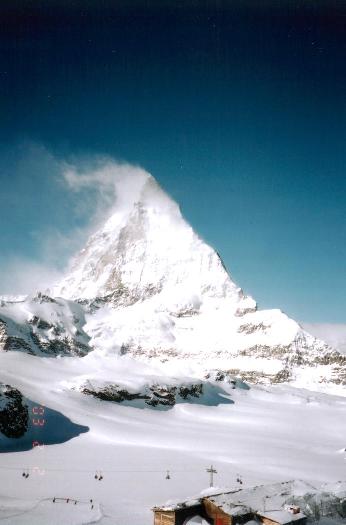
{"points": [[142, 354], [148, 286], [146, 249], [154, 289]]}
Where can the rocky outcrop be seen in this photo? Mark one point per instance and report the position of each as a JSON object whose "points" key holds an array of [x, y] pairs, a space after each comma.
{"points": [[14, 414], [11, 342], [160, 396], [228, 377], [249, 328], [43, 325], [153, 396], [255, 377]]}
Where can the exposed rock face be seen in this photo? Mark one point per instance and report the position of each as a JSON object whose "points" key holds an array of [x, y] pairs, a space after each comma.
{"points": [[260, 378], [228, 377], [157, 396], [43, 326], [12, 342], [14, 415]]}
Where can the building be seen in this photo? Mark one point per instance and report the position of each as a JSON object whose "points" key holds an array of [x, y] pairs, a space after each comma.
{"points": [[181, 513], [282, 517], [259, 505]]}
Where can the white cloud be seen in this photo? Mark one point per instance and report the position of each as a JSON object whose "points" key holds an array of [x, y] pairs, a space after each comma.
{"points": [[25, 276], [333, 334], [93, 187], [105, 184]]}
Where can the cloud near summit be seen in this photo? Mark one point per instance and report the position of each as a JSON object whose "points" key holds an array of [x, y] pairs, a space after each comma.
{"points": [[83, 192], [112, 183]]}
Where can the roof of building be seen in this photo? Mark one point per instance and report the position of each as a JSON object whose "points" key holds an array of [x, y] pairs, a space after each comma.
{"points": [[229, 503], [243, 501], [172, 505], [281, 516], [178, 505]]}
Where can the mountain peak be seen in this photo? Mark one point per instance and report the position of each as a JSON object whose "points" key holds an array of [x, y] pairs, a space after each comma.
{"points": [[151, 288], [146, 249]]}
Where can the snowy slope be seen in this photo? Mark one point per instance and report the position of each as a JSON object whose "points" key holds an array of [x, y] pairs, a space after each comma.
{"points": [[268, 434], [44, 512]]}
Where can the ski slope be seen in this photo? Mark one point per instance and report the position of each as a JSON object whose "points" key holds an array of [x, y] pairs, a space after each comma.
{"points": [[146, 312], [267, 434]]}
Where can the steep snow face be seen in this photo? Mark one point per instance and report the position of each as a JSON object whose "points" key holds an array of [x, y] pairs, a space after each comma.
{"points": [[147, 249]]}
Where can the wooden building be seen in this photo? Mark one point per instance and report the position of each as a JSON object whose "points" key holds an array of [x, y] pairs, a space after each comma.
{"points": [[223, 509], [239, 507], [180, 513], [209, 513], [282, 517]]}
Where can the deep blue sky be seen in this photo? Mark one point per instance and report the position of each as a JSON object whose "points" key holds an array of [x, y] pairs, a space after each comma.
{"points": [[238, 111]]}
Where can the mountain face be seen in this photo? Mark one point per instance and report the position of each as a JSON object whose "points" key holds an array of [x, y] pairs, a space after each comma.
{"points": [[148, 287], [43, 326], [146, 249], [14, 415]]}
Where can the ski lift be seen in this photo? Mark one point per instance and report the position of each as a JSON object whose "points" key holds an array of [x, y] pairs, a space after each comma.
{"points": [[239, 480], [168, 475]]}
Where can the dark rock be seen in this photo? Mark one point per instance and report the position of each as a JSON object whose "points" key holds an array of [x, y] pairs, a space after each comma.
{"points": [[14, 417], [250, 328], [154, 395]]}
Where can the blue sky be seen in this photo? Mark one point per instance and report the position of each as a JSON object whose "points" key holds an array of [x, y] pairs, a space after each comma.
{"points": [[239, 113]]}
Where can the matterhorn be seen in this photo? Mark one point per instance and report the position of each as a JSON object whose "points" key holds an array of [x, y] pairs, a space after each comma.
{"points": [[147, 286]]}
